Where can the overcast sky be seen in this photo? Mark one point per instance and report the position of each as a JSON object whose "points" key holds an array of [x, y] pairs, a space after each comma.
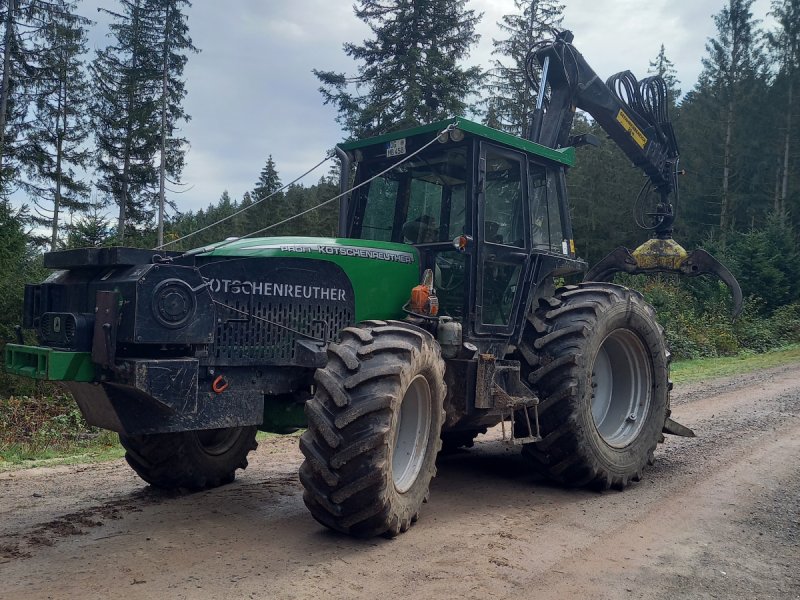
{"points": [[251, 92]]}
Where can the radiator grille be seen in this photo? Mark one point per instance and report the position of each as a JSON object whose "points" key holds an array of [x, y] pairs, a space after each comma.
{"points": [[241, 340], [259, 298]]}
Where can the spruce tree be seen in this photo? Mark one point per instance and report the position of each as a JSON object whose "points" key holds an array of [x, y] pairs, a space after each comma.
{"points": [[270, 211], [59, 130], [511, 100], [91, 229], [268, 181], [785, 46], [730, 71], [664, 67], [127, 86], [23, 22], [409, 72], [174, 45]]}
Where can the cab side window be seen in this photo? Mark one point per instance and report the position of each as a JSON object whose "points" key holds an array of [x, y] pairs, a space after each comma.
{"points": [[547, 232], [504, 224], [503, 216]]}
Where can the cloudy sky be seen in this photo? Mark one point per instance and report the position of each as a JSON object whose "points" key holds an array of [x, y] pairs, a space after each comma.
{"points": [[252, 93]]}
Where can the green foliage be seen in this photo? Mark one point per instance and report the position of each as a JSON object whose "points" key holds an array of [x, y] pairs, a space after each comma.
{"points": [[60, 129], [408, 73], [509, 97], [138, 94], [268, 181], [261, 211], [685, 371], [697, 322], [664, 67], [47, 425]]}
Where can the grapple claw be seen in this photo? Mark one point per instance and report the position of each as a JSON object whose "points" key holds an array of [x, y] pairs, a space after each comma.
{"points": [[665, 255], [701, 262]]}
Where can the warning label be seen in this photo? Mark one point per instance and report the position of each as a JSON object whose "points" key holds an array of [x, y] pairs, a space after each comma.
{"points": [[631, 128]]}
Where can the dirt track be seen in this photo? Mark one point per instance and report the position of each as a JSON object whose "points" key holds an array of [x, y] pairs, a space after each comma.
{"points": [[717, 517]]}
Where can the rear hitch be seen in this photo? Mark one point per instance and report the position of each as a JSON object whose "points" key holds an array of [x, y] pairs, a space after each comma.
{"points": [[665, 255]]}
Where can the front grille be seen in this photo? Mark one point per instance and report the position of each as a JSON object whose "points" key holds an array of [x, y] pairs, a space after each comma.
{"points": [[243, 341], [265, 305]]}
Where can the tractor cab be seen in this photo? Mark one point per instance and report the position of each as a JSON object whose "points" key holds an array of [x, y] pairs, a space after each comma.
{"points": [[486, 211]]}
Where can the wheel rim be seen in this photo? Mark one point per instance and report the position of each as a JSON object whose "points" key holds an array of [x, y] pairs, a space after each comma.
{"points": [[411, 435], [622, 378], [217, 441]]}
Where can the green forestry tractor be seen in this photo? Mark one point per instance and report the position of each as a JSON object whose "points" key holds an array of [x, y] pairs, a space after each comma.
{"points": [[433, 316]]}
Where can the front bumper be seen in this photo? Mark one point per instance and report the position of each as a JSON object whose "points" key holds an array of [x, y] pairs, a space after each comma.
{"points": [[49, 364]]}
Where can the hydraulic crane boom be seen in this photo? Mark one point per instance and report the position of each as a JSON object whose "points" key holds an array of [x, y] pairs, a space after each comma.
{"points": [[634, 115]]}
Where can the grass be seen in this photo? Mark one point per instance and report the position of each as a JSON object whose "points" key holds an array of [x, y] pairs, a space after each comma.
{"points": [[59, 449], [687, 371], [102, 448]]}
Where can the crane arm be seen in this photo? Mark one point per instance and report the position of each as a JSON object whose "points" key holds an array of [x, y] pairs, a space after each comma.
{"points": [[634, 115]]}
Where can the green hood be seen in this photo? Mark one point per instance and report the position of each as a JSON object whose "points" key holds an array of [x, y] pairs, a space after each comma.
{"points": [[381, 273]]}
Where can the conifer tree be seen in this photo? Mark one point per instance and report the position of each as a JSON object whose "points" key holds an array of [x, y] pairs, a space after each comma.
{"points": [[409, 72], [91, 228], [59, 130], [785, 46], [732, 67], [174, 45], [22, 45], [511, 99], [127, 80], [664, 67], [268, 181]]}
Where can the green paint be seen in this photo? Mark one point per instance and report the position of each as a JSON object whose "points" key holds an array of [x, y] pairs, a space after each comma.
{"points": [[381, 286], [565, 156], [46, 363]]}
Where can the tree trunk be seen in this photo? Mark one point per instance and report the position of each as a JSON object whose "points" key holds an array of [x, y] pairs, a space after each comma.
{"points": [[6, 81], [786, 146], [724, 216], [162, 168], [62, 116], [57, 198]]}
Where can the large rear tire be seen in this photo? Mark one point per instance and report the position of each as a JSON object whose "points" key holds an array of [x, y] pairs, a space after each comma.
{"points": [[598, 360], [373, 429], [191, 460]]}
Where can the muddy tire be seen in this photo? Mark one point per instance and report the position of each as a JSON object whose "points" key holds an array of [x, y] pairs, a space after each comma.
{"points": [[190, 460], [373, 429], [599, 363]]}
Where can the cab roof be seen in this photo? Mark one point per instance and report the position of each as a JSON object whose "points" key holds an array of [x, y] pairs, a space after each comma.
{"points": [[565, 156]]}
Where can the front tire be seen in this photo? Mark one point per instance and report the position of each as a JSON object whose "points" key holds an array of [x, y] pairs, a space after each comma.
{"points": [[191, 460], [373, 429], [598, 360]]}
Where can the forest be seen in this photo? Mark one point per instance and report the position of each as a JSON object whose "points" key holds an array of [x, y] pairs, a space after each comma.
{"points": [[91, 141]]}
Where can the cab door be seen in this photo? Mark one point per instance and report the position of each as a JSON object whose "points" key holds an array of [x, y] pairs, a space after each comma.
{"points": [[503, 235]]}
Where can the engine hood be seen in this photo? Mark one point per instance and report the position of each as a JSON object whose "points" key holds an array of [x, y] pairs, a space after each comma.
{"points": [[381, 273]]}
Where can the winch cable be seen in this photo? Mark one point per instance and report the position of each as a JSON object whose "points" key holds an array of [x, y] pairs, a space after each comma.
{"points": [[444, 131], [249, 315], [248, 207]]}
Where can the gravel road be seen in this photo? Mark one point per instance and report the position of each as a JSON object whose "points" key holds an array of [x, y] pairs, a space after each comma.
{"points": [[718, 516]]}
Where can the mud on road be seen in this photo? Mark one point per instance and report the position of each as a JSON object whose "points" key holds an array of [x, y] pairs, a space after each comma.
{"points": [[718, 516]]}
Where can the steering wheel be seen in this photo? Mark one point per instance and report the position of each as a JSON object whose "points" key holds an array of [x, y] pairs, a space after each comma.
{"points": [[449, 273]]}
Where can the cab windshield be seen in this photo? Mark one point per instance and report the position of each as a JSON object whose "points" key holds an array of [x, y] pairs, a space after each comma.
{"points": [[421, 201]]}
